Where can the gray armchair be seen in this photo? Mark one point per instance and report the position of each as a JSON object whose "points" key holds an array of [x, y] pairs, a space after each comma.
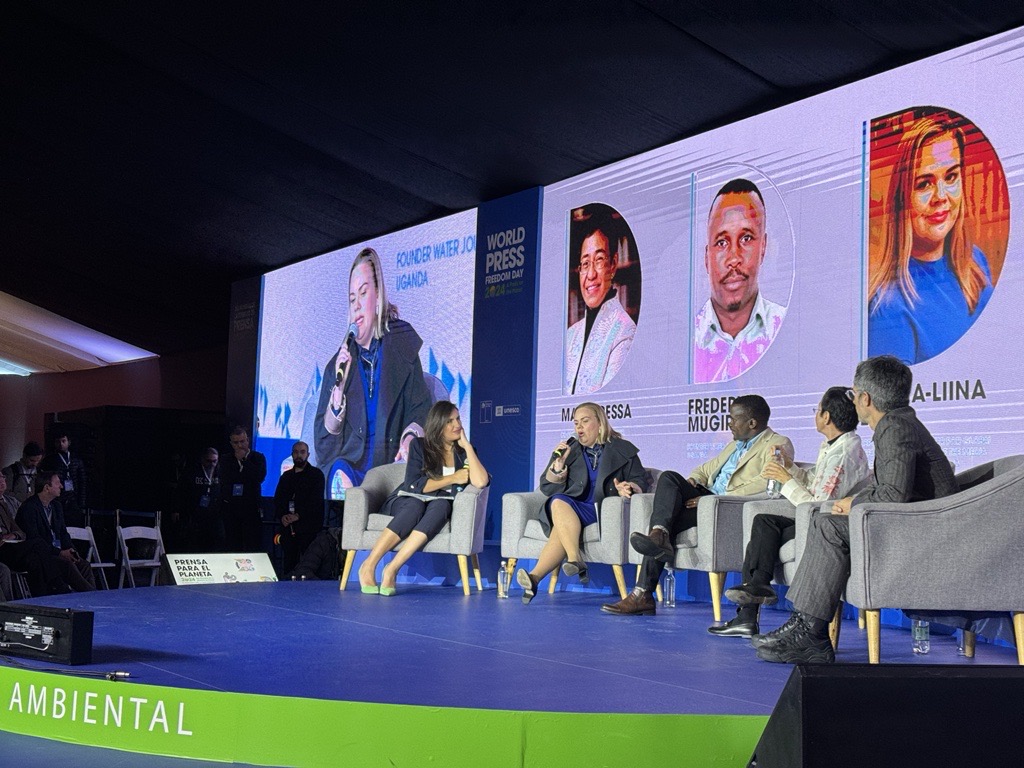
{"points": [[715, 545], [791, 551], [603, 542], [961, 553], [462, 535]]}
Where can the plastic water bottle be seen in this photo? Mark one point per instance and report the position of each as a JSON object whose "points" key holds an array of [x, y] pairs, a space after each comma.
{"points": [[670, 588], [502, 581], [919, 635], [774, 486]]}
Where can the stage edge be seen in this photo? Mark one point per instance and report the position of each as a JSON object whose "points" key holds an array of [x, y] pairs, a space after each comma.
{"points": [[287, 731]]}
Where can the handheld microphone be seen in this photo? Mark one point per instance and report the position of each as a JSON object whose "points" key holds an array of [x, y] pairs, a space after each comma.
{"points": [[353, 329], [570, 442]]}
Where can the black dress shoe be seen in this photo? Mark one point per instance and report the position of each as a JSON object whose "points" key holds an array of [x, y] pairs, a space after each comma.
{"points": [[575, 567], [805, 641], [768, 638], [525, 580], [655, 544], [752, 594], [737, 627]]}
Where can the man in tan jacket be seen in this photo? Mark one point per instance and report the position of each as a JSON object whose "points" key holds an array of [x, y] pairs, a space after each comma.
{"points": [[736, 471]]}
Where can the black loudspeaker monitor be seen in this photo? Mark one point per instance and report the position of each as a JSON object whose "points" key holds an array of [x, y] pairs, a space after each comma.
{"points": [[51, 634], [840, 715]]}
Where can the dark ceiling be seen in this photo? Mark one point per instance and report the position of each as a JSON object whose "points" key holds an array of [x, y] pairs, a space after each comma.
{"points": [[154, 152]]}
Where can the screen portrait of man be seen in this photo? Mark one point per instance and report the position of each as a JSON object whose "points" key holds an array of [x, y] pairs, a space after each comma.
{"points": [[604, 297], [737, 324]]}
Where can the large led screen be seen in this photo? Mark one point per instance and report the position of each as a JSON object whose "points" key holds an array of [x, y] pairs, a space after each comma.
{"points": [[356, 344], [771, 255]]}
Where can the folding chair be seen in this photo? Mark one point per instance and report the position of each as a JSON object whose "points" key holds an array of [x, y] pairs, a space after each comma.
{"points": [[91, 554], [19, 582], [143, 541]]}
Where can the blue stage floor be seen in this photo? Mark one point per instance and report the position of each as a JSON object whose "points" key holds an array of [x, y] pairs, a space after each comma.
{"points": [[432, 646]]}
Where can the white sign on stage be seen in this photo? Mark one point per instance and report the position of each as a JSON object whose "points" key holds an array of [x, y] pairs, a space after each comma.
{"points": [[221, 568]]}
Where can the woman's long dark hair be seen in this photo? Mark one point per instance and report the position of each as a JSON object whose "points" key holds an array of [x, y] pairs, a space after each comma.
{"points": [[433, 437]]}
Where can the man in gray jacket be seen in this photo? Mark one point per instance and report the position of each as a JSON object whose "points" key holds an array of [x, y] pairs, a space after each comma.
{"points": [[909, 466]]}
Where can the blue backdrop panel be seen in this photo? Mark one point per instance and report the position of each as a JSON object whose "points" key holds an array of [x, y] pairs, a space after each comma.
{"points": [[504, 324]]}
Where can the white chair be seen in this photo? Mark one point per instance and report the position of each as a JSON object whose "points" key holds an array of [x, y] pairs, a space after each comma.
{"points": [[144, 539], [462, 535], [92, 555]]}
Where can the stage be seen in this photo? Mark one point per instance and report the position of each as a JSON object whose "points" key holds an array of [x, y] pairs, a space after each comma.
{"points": [[298, 673]]}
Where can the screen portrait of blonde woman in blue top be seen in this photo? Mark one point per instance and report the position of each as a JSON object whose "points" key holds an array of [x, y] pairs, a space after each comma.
{"points": [[930, 279]]}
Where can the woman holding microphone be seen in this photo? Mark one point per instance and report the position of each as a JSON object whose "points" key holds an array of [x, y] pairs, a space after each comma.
{"points": [[373, 398], [596, 462]]}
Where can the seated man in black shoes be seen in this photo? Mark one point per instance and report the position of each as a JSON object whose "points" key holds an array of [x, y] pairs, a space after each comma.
{"points": [[735, 471], [42, 520], [841, 468], [909, 466]]}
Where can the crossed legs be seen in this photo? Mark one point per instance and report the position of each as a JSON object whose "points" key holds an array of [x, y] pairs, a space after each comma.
{"points": [[562, 544]]}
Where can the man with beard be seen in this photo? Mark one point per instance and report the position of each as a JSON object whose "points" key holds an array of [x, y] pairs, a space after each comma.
{"points": [[299, 505], [737, 324], [72, 477]]}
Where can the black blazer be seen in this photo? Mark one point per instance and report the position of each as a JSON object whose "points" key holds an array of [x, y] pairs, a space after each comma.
{"points": [[620, 460], [404, 399], [416, 477], [32, 520]]}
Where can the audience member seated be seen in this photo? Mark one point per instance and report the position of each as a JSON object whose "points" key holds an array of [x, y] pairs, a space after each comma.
{"points": [[6, 584], [323, 559], [42, 520], [735, 471], [909, 466], [33, 556], [580, 474], [440, 464], [21, 474], [841, 467]]}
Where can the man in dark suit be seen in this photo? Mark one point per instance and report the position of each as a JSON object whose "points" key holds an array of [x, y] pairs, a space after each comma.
{"points": [[19, 553], [909, 466], [42, 519], [241, 479], [72, 476]]}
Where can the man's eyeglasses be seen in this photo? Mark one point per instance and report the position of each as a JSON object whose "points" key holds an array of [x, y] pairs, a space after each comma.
{"points": [[851, 395]]}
